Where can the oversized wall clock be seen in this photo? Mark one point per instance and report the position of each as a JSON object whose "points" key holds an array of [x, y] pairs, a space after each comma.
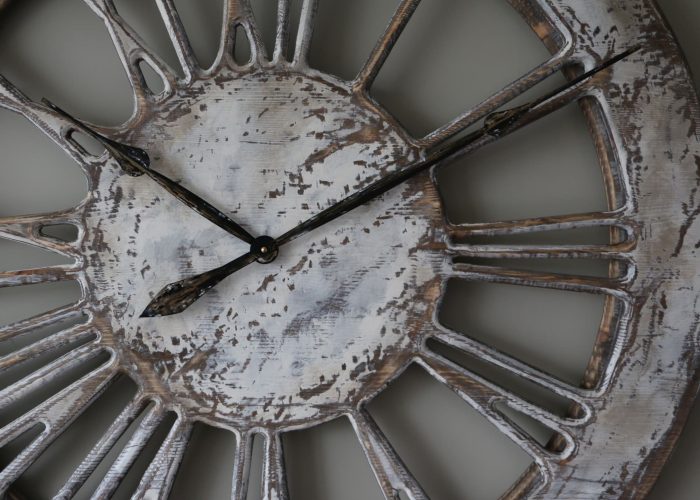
{"points": [[264, 248]]}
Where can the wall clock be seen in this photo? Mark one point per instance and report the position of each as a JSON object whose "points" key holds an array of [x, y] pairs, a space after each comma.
{"points": [[264, 248]]}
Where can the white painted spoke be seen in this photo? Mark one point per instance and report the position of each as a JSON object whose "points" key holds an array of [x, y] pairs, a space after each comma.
{"points": [[540, 224], [274, 480], [605, 286], [55, 316], [542, 251], [130, 453], [27, 229], [50, 123], [40, 275], [47, 373], [306, 31], [241, 466], [482, 395], [497, 100], [132, 49], [513, 365], [179, 38], [391, 473], [56, 414], [386, 43], [160, 475], [101, 448], [54, 341], [282, 35]]}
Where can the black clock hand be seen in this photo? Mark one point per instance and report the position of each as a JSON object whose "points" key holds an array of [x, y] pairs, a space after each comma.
{"points": [[495, 125], [180, 295], [135, 162]]}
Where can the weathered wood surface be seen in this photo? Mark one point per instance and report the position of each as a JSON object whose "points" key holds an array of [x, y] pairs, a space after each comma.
{"points": [[320, 331]]}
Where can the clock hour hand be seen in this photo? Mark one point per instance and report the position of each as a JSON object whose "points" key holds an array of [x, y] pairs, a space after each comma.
{"points": [[496, 125], [178, 296], [136, 162]]}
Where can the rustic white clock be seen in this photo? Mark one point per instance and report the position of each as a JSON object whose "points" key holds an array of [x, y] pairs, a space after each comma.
{"points": [[326, 216]]}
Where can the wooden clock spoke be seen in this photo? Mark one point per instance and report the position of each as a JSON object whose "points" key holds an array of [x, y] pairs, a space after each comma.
{"points": [[132, 50], [12, 98], [28, 229], [39, 275], [392, 474], [384, 46], [102, 448], [53, 317], [74, 334], [160, 475], [132, 449], [539, 224], [499, 100], [274, 472], [542, 251], [586, 284], [513, 365], [282, 34], [51, 371], [241, 466], [306, 30], [56, 414], [179, 38], [239, 14], [483, 395]]}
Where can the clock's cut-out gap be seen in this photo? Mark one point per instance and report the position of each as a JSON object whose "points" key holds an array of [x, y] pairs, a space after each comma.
{"points": [[446, 444], [207, 465], [592, 235], [470, 55], [514, 319], [87, 144], [516, 384], [37, 176], [203, 20], [295, 8], [403, 495], [56, 464], [15, 447], [153, 80], [144, 18], [59, 64], [256, 467], [346, 33], [241, 46], [327, 462], [598, 268], [513, 178], [542, 434], [50, 388], [20, 303], [15, 255], [64, 232], [265, 15]]}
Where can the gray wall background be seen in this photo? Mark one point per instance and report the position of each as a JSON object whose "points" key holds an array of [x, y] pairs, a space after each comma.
{"points": [[58, 49]]}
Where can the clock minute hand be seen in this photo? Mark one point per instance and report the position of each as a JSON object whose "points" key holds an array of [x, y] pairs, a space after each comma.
{"points": [[136, 162], [496, 125]]}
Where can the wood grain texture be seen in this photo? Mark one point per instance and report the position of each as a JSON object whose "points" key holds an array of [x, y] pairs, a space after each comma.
{"points": [[343, 310]]}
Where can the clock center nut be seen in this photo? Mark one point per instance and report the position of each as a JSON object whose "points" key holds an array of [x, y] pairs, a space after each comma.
{"points": [[265, 249]]}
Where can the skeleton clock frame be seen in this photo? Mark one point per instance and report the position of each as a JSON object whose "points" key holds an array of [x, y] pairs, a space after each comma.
{"points": [[642, 378]]}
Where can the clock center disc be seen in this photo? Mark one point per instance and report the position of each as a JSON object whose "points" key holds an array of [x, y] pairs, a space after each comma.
{"points": [[309, 334]]}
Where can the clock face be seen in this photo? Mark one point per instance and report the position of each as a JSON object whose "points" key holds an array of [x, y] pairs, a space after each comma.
{"points": [[264, 248], [335, 316]]}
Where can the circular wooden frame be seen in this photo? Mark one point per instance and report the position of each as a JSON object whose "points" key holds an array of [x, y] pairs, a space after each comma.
{"points": [[643, 374]]}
